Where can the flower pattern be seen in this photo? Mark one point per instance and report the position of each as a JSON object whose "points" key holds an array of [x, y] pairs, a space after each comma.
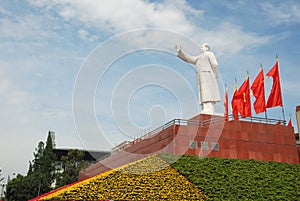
{"points": [[150, 178]]}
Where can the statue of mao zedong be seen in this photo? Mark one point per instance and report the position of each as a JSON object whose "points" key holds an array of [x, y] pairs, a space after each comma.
{"points": [[207, 73]]}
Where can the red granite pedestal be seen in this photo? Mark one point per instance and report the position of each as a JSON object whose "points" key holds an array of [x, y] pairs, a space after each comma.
{"points": [[209, 136]]}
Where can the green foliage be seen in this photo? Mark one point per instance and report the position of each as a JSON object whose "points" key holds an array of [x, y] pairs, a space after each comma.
{"points": [[22, 188], [30, 168], [39, 176], [233, 179], [39, 151], [72, 164]]}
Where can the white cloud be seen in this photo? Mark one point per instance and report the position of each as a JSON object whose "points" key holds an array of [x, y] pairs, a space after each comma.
{"points": [[282, 12], [231, 39], [16, 122], [117, 16], [25, 117], [24, 27], [28, 105], [86, 36]]}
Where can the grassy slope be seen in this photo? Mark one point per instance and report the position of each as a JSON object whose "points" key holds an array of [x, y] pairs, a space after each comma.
{"points": [[232, 179]]}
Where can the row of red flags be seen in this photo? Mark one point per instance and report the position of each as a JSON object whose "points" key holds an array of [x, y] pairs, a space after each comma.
{"points": [[241, 102]]}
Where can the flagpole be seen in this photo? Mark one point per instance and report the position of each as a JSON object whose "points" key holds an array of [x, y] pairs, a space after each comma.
{"points": [[235, 116], [282, 108], [266, 115], [248, 77], [283, 116], [226, 113]]}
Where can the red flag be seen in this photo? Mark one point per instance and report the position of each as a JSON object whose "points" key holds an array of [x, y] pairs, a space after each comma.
{"points": [[275, 98], [226, 104], [290, 122], [234, 104], [245, 102], [258, 89]]}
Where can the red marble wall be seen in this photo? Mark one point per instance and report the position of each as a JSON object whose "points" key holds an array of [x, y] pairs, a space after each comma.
{"points": [[248, 140], [235, 139]]}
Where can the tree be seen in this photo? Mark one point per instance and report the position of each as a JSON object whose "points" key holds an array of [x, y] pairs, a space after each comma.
{"points": [[39, 176], [39, 151], [13, 189], [1, 185], [72, 164], [30, 168], [47, 165], [20, 188]]}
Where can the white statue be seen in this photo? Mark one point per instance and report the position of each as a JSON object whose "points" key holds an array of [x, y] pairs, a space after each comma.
{"points": [[207, 72]]}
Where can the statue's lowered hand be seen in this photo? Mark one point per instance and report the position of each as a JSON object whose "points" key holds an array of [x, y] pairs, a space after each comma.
{"points": [[178, 47]]}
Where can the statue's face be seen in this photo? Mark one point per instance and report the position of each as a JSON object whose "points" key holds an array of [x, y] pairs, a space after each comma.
{"points": [[204, 47]]}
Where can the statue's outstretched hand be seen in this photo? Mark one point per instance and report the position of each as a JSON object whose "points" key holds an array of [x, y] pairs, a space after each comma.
{"points": [[178, 47]]}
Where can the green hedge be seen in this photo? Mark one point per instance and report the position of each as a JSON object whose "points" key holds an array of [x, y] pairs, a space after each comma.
{"points": [[233, 179]]}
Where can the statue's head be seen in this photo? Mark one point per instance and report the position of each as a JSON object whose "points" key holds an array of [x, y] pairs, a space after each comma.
{"points": [[205, 47]]}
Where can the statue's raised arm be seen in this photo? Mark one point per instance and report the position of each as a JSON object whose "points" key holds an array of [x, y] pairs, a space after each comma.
{"points": [[207, 72], [184, 56]]}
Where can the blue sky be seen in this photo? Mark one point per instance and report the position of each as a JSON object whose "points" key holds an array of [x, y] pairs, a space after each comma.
{"points": [[51, 57]]}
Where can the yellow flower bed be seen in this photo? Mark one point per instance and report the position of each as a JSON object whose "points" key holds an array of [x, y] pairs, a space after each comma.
{"points": [[150, 178]]}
